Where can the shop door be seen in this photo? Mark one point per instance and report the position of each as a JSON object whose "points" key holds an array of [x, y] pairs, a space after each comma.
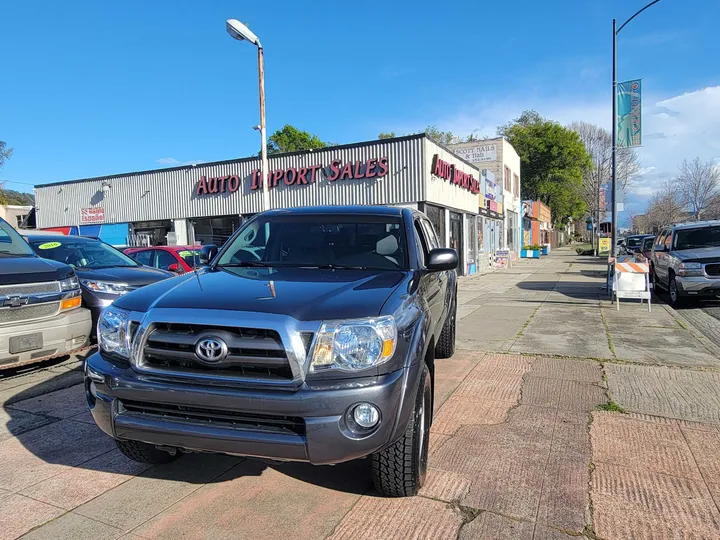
{"points": [[456, 239]]}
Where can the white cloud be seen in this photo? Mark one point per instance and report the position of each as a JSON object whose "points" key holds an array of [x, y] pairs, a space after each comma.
{"points": [[168, 161], [172, 162], [674, 127]]}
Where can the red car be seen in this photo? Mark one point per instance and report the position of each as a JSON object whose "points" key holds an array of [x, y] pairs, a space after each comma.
{"points": [[178, 259]]}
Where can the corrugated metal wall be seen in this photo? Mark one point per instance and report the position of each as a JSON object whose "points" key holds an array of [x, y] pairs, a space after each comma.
{"points": [[168, 194]]}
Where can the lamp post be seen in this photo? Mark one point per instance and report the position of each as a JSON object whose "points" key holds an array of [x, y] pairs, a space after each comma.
{"points": [[616, 31], [239, 31]]}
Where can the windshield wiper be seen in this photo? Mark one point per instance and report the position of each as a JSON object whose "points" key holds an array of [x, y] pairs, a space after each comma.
{"points": [[252, 264], [331, 266]]}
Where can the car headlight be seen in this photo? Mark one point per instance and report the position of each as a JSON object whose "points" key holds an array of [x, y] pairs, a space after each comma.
{"points": [[690, 269], [107, 287], [69, 284], [112, 331], [354, 344]]}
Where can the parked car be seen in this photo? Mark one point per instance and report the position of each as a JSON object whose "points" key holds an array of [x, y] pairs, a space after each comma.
{"points": [[634, 242], [686, 261], [40, 305], [104, 272], [322, 351], [178, 259], [645, 248]]}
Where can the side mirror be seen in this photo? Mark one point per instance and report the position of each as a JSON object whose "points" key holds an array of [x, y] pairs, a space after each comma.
{"points": [[659, 248], [175, 267], [207, 253], [442, 259]]}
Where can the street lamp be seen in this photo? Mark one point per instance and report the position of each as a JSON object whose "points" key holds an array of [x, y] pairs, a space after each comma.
{"points": [[239, 31], [616, 31]]}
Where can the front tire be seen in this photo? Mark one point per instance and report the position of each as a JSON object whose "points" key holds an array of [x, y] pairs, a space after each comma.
{"points": [[445, 347], [676, 299], [400, 469], [145, 453]]}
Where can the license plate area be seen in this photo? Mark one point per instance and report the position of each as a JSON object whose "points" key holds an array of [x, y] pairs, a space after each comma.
{"points": [[28, 342]]}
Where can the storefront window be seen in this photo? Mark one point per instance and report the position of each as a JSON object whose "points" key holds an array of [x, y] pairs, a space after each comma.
{"points": [[436, 215], [215, 230], [472, 235], [480, 234]]}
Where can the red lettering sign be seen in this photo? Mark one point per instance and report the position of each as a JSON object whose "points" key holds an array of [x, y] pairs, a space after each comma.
{"points": [[337, 170], [92, 215], [445, 170]]}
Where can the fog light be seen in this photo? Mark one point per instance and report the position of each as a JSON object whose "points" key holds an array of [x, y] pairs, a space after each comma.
{"points": [[366, 415]]}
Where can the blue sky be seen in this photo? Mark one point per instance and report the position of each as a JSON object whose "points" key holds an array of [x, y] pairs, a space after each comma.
{"points": [[91, 88]]}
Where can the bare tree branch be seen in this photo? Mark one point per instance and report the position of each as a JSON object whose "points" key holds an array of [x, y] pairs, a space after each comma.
{"points": [[699, 184]]}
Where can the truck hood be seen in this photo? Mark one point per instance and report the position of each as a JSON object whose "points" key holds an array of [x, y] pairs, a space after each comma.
{"points": [[702, 255], [31, 269], [302, 293], [135, 276]]}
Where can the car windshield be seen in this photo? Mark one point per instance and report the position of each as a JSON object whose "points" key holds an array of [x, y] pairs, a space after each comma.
{"points": [[190, 256], [91, 254], [332, 241], [11, 243], [634, 241], [697, 237]]}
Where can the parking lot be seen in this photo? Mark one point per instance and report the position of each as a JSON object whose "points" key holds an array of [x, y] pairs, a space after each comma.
{"points": [[557, 418]]}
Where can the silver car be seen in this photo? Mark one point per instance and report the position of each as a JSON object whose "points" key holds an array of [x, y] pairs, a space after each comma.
{"points": [[685, 260]]}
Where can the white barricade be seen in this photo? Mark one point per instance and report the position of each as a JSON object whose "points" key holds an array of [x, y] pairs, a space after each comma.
{"points": [[631, 280]]}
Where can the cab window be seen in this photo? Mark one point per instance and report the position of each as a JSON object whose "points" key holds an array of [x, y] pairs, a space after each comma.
{"points": [[143, 257], [164, 260], [422, 245]]}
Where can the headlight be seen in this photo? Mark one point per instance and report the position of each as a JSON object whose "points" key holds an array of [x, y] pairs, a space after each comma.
{"points": [[690, 269], [69, 284], [354, 344], [112, 331], [106, 286]]}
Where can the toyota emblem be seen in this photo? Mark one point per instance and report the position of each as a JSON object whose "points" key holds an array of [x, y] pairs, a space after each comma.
{"points": [[211, 350]]}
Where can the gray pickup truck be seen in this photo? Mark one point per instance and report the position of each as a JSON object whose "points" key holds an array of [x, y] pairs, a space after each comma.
{"points": [[311, 336], [685, 260], [40, 313]]}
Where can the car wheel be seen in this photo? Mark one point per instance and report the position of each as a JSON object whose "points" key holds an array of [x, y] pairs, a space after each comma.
{"points": [[145, 453], [400, 469], [445, 347], [676, 299]]}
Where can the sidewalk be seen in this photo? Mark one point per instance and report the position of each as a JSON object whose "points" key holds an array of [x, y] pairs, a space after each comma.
{"points": [[529, 440]]}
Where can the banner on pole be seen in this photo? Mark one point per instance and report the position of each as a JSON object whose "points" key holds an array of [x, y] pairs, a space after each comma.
{"points": [[629, 118]]}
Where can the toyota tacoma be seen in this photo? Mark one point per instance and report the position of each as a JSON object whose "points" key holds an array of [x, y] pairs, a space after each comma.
{"points": [[311, 336]]}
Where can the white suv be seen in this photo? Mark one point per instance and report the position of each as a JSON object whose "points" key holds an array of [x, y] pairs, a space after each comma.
{"points": [[686, 261]]}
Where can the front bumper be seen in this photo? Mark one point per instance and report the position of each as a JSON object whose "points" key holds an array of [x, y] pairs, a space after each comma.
{"points": [[61, 335], [698, 286], [326, 438]]}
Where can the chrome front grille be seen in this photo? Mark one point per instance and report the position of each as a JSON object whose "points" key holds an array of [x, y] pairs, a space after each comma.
{"points": [[252, 353], [25, 289], [29, 313], [712, 269]]}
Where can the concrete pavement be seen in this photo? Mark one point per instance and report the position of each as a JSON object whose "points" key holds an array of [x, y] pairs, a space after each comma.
{"points": [[519, 448]]}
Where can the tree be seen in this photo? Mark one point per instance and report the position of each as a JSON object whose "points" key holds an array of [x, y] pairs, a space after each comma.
{"points": [[5, 154], [553, 159], [598, 143], [442, 137], [699, 184], [666, 207], [390, 135], [291, 139]]}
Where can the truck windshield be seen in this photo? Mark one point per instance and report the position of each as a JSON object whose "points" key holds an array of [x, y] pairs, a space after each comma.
{"points": [[11, 243], [697, 237], [342, 241], [91, 254]]}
